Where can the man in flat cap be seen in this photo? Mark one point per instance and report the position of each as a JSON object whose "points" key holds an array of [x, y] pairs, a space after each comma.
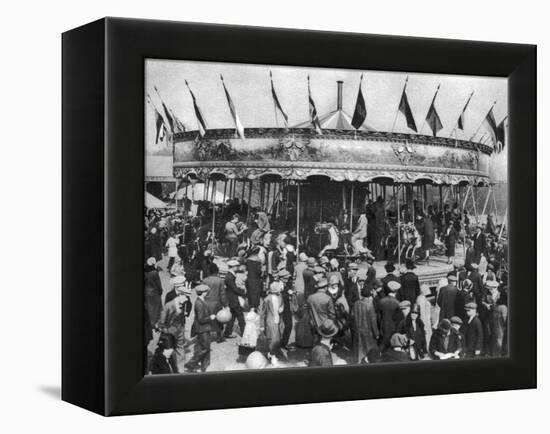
{"points": [[233, 292], [202, 326], [444, 344], [447, 298], [390, 276], [321, 305], [473, 332]]}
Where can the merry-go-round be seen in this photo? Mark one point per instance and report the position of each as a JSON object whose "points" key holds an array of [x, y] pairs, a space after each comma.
{"points": [[309, 182]]}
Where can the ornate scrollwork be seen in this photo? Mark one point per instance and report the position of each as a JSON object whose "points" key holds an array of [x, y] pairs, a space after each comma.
{"points": [[404, 152]]}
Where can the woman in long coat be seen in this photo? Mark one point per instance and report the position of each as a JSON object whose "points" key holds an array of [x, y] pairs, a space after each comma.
{"points": [[156, 244], [413, 327], [428, 236], [451, 235], [273, 308], [254, 279], [366, 328], [153, 291]]}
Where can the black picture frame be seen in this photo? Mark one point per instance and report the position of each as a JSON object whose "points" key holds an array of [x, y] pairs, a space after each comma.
{"points": [[103, 178]]}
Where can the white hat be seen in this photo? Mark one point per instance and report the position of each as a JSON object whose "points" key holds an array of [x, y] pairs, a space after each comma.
{"points": [[179, 280], [151, 261]]}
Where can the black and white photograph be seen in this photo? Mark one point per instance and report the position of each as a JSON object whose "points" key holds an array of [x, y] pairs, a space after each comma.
{"points": [[300, 217]]}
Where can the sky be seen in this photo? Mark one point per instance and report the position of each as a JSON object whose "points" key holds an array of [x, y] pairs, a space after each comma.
{"points": [[250, 90]]}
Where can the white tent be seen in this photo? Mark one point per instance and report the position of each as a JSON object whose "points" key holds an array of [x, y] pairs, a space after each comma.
{"points": [[153, 202], [196, 192]]}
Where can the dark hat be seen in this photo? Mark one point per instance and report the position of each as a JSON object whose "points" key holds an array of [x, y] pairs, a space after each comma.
{"points": [[452, 278], [445, 325], [389, 267], [328, 328], [166, 341], [398, 340], [415, 308], [404, 304], [470, 305], [456, 320], [410, 264]]}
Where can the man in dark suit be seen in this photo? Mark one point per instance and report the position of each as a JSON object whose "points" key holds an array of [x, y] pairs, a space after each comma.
{"points": [[309, 281], [477, 283], [232, 292], [447, 298], [480, 243], [216, 298], [321, 305], [410, 286], [352, 287], [388, 311], [470, 256], [473, 332], [202, 327]]}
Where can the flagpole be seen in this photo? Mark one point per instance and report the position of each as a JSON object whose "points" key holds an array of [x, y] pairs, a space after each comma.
{"points": [[397, 112], [274, 105], [481, 123], [431, 105]]}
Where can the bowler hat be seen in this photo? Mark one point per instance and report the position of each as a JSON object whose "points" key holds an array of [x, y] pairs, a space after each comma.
{"points": [[311, 262], [452, 278], [328, 328], [390, 268], [470, 305]]}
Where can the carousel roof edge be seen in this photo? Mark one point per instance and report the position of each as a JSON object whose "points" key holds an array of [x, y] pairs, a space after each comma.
{"points": [[255, 133], [334, 172]]}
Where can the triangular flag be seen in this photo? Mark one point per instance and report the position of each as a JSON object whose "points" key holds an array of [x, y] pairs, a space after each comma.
{"points": [[200, 118], [491, 125], [405, 108], [432, 118], [501, 136], [360, 113], [233, 111], [159, 125], [276, 101], [313, 111], [460, 123]]}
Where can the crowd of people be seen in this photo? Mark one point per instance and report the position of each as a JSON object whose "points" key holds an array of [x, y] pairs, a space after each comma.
{"points": [[247, 282]]}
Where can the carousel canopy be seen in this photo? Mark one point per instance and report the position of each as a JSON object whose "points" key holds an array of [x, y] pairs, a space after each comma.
{"points": [[151, 202], [196, 192]]}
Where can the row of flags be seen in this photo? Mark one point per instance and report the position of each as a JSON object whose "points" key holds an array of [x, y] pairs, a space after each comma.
{"points": [[168, 123]]}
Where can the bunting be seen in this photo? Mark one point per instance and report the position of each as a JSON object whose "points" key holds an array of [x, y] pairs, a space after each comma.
{"points": [[491, 125], [233, 111], [167, 114], [360, 113], [313, 111], [159, 125]]}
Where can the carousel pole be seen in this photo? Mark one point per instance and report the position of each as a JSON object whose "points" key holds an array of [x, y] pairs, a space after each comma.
{"points": [[504, 220], [249, 201], [398, 228], [287, 200], [351, 210], [474, 199], [495, 210], [242, 194], [343, 196], [268, 196], [213, 216], [224, 193], [297, 218]]}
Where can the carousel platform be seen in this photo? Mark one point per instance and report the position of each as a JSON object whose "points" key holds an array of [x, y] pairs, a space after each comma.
{"points": [[428, 273]]}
